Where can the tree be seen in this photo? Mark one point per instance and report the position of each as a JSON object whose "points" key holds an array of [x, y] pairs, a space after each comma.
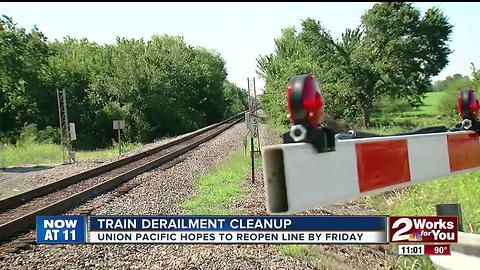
{"points": [[290, 57], [23, 60], [452, 85], [235, 98], [404, 50], [442, 85], [475, 76], [160, 87], [394, 52]]}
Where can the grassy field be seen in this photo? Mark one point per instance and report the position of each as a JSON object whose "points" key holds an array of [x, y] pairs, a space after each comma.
{"points": [[106, 153], [430, 103], [45, 154], [421, 199], [32, 154], [423, 116]]}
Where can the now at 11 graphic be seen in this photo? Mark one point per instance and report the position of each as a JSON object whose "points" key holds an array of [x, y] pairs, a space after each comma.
{"points": [[61, 229]]}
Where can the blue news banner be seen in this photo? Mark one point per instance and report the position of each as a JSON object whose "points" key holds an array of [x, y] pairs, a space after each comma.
{"points": [[212, 229]]}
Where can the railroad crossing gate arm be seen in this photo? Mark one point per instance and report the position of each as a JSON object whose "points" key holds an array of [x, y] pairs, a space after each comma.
{"points": [[297, 177]]}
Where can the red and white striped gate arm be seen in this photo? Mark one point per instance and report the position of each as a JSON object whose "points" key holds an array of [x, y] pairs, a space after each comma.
{"points": [[299, 178]]}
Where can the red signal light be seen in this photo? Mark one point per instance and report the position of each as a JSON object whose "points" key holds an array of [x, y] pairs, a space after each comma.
{"points": [[468, 105], [305, 102], [312, 101]]}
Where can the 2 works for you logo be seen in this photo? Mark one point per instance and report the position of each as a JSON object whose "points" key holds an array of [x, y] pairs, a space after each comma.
{"points": [[437, 229]]}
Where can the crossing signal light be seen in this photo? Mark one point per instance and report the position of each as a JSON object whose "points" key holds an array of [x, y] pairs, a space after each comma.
{"points": [[305, 102], [468, 104], [305, 107]]}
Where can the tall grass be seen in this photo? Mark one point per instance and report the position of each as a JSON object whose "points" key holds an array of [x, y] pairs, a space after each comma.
{"points": [[305, 253], [34, 153], [30, 154], [421, 199]]}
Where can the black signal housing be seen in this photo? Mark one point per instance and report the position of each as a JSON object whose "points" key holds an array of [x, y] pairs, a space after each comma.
{"points": [[305, 105]]}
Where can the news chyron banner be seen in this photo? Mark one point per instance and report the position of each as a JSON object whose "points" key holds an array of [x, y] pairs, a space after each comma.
{"points": [[245, 229], [212, 229]]}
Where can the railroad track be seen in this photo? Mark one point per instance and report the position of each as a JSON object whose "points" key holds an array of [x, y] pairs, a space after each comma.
{"points": [[18, 213]]}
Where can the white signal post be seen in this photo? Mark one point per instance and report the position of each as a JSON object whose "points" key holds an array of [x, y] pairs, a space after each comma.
{"points": [[73, 137], [299, 178], [119, 125], [73, 133]]}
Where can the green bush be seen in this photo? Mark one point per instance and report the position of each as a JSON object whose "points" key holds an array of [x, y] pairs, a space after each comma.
{"points": [[49, 135], [28, 135], [388, 104]]}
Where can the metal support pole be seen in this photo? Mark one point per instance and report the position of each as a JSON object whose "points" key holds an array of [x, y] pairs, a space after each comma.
{"points": [[256, 113], [64, 125], [62, 139], [253, 129], [119, 142], [253, 159], [245, 142]]}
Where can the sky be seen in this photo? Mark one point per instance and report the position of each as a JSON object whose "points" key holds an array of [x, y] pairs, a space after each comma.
{"points": [[240, 32]]}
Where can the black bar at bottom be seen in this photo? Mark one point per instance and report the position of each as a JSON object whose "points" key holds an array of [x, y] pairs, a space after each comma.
{"points": [[453, 209]]}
